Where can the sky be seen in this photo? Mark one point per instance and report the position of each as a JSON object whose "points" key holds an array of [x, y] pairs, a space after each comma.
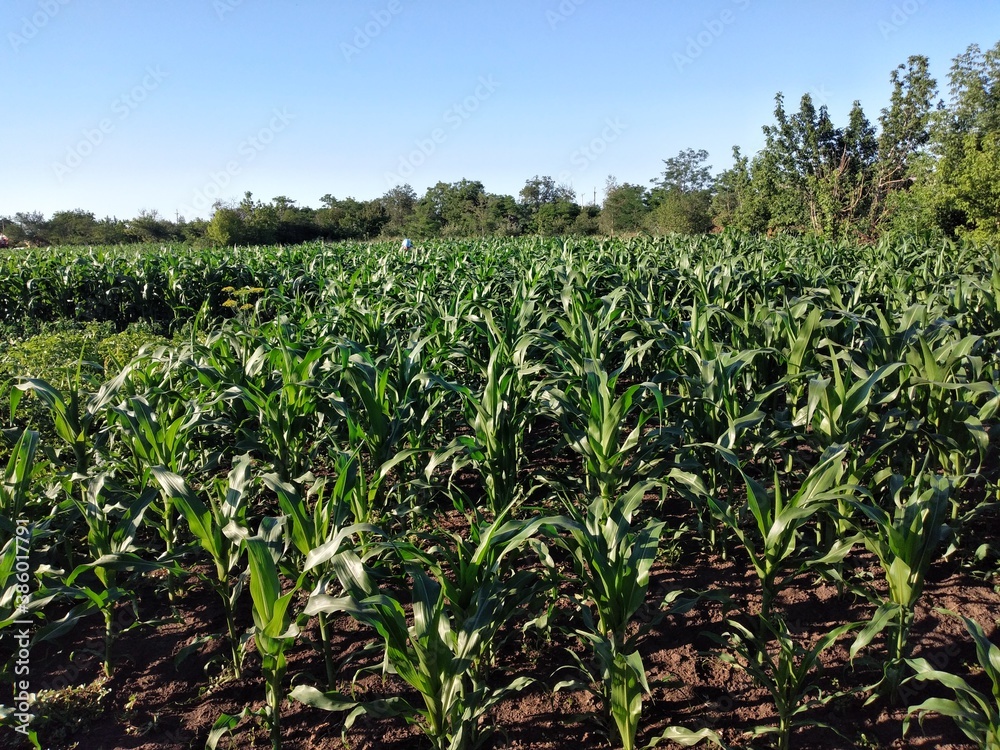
{"points": [[122, 106]]}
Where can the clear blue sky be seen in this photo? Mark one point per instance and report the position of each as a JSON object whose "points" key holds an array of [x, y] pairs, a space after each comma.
{"points": [[117, 106]]}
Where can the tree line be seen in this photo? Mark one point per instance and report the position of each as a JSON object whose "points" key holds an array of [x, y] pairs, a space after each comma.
{"points": [[930, 164]]}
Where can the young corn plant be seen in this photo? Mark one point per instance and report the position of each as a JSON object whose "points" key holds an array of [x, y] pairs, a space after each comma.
{"points": [[216, 527], [388, 410], [159, 443], [485, 563], [75, 415], [943, 397], [290, 403], [274, 625], [499, 417], [906, 542], [773, 535], [79, 421], [976, 714], [320, 525], [440, 655], [613, 560], [22, 469], [608, 431], [113, 516], [840, 410], [788, 670], [20, 531]]}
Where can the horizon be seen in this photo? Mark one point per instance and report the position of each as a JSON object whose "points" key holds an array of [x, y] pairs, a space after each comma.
{"points": [[170, 108]]}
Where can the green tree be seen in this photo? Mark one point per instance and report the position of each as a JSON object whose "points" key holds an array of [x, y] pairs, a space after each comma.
{"points": [[556, 218], [400, 203], [28, 227], [149, 226], [111, 231], [549, 209], [75, 227], [732, 203], [965, 140], [681, 200], [226, 227], [624, 208], [905, 135], [295, 224]]}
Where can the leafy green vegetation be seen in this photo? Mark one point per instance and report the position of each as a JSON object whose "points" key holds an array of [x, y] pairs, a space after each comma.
{"points": [[470, 448]]}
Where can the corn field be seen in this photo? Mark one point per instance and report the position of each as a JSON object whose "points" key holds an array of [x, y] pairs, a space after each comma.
{"points": [[727, 491]]}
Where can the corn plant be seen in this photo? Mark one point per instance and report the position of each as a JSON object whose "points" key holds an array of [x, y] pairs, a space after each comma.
{"points": [[22, 469], [388, 410], [319, 533], [216, 527], [839, 410], [165, 443], [274, 626], [975, 713], [613, 560], [79, 421], [439, 655], [906, 542], [773, 534], [75, 415], [113, 516], [499, 416], [487, 563], [290, 401], [608, 430], [22, 473], [942, 396], [788, 670]]}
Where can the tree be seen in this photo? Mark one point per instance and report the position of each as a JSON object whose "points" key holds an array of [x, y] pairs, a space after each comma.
{"points": [[149, 226], [226, 227], [686, 172], [75, 227], [29, 227], [399, 203], [624, 208], [556, 218], [681, 200], [549, 209], [965, 140], [504, 215], [732, 202], [111, 231], [905, 135], [540, 190]]}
